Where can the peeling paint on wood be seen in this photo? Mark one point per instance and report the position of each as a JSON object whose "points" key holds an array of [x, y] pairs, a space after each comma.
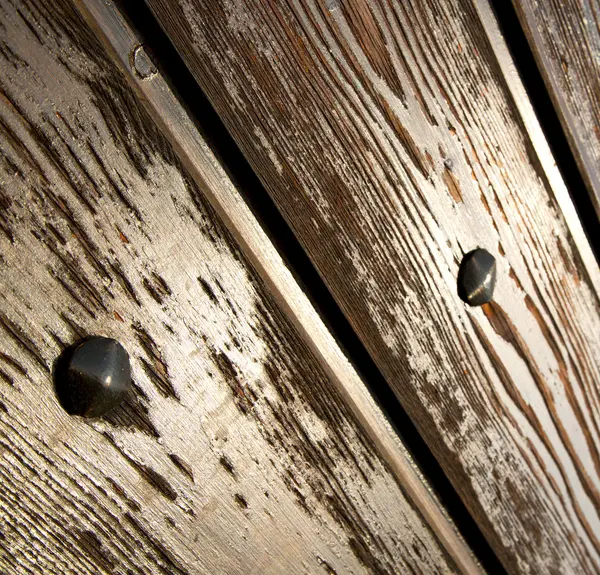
{"points": [[235, 454], [391, 138]]}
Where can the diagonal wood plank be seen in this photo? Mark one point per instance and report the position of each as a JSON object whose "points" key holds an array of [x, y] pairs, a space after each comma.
{"points": [[395, 137], [242, 450], [565, 39]]}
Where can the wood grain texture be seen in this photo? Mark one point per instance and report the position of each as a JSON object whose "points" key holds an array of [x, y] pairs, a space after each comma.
{"points": [[177, 125], [391, 141], [565, 39], [235, 454]]}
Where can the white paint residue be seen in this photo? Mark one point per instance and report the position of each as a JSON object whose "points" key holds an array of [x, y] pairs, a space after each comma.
{"points": [[467, 226], [269, 149], [191, 325]]}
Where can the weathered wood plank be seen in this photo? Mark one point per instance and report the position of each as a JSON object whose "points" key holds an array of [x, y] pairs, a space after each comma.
{"points": [[565, 38], [238, 452], [391, 136]]}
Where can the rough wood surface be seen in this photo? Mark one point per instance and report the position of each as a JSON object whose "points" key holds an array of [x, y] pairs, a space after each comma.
{"points": [[235, 454], [193, 151], [565, 38], [388, 136]]}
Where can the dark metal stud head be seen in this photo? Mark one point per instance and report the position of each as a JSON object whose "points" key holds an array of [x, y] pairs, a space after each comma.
{"points": [[477, 277], [92, 377], [142, 62]]}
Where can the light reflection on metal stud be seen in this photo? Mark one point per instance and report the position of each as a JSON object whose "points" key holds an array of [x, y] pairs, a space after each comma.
{"points": [[92, 377], [477, 277]]}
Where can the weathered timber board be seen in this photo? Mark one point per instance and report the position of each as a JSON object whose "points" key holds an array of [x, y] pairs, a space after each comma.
{"points": [[235, 454], [392, 142], [565, 38]]}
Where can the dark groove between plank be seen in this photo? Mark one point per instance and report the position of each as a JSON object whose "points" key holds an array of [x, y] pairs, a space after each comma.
{"points": [[547, 116], [304, 272], [235, 439]]}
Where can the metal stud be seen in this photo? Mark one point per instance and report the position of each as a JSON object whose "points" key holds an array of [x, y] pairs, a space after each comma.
{"points": [[92, 377], [142, 62], [477, 277]]}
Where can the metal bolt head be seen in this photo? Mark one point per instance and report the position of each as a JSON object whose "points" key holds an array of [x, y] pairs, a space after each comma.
{"points": [[92, 377], [142, 63], [477, 277]]}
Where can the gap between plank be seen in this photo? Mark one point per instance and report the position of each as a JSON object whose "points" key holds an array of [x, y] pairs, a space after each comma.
{"points": [[530, 75], [279, 233]]}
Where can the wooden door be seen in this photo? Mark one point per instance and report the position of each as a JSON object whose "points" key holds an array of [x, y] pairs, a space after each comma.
{"points": [[395, 138]]}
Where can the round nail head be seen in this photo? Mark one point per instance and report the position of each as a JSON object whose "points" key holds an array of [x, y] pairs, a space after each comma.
{"points": [[477, 277], [143, 64], [93, 377]]}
